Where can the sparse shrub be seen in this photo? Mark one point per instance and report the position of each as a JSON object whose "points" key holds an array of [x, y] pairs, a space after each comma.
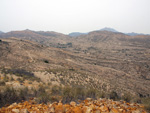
{"points": [[80, 93], [44, 98], [56, 90], [6, 79], [41, 95], [2, 83], [68, 94], [91, 93], [127, 97], [71, 69], [41, 89], [20, 80], [46, 61], [55, 98], [8, 96], [69, 44], [52, 79], [49, 83], [29, 82], [11, 79], [21, 73], [146, 103], [11, 95], [24, 94], [114, 95], [18, 72]]}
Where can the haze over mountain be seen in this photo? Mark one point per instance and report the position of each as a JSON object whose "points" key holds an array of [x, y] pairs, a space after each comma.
{"points": [[113, 30], [76, 34], [125, 16], [108, 29], [93, 54], [1, 32], [134, 34]]}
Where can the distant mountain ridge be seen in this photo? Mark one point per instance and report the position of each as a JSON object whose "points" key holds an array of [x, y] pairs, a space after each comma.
{"points": [[108, 29], [56, 34], [31, 33], [48, 38], [134, 34], [1, 32], [76, 34], [106, 57]]}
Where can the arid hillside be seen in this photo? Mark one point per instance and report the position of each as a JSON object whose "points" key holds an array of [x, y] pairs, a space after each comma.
{"points": [[103, 60], [97, 64], [48, 38]]}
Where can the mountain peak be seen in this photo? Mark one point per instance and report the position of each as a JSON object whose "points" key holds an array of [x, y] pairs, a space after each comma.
{"points": [[108, 29], [1, 32]]}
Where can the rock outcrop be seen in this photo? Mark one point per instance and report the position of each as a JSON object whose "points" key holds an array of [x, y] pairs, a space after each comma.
{"points": [[86, 106]]}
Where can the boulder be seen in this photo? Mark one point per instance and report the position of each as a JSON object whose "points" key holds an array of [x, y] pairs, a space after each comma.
{"points": [[72, 103], [16, 110]]}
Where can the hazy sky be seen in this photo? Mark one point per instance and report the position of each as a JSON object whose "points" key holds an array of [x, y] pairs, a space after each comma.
{"points": [[67, 16]]}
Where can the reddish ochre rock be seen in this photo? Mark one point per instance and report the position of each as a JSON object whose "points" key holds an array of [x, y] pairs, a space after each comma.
{"points": [[86, 106]]}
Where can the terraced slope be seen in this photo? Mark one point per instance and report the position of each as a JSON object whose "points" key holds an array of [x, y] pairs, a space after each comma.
{"points": [[106, 72]]}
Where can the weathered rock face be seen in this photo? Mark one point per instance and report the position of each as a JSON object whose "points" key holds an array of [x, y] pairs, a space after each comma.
{"points": [[86, 106]]}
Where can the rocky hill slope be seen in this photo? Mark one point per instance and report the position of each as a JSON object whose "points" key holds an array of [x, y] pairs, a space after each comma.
{"points": [[107, 71], [112, 63], [47, 38]]}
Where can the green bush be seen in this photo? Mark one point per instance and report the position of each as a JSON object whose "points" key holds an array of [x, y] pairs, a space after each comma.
{"points": [[46, 61]]}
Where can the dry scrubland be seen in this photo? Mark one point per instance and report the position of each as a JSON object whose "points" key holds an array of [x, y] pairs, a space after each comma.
{"points": [[51, 67]]}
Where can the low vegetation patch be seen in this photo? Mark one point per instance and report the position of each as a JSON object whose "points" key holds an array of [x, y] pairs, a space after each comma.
{"points": [[46, 61], [21, 73], [46, 94], [146, 103]]}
